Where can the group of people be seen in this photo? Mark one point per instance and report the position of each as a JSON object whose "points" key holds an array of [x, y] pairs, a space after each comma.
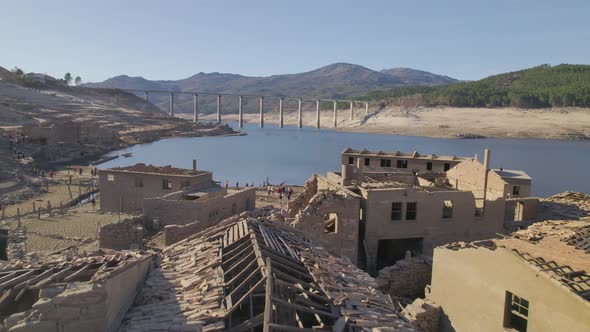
{"points": [[247, 185], [281, 191]]}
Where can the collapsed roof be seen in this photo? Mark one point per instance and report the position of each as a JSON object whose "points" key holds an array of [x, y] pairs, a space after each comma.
{"points": [[248, 273]]}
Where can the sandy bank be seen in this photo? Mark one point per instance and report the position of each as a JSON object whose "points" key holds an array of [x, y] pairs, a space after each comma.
{"points": [[564, 123]]}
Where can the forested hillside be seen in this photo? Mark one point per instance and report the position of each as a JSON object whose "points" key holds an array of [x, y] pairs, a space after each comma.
{"points": [[538, 87]]}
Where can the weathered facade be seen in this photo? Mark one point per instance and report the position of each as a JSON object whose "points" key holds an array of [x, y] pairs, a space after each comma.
{"points": [[123, 189], [536, 280]]}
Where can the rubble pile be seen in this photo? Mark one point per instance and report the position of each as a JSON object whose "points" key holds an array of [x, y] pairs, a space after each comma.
{"points": [[349, 287], [184, 293], [424, 314], [407, 277], [567, 205]]}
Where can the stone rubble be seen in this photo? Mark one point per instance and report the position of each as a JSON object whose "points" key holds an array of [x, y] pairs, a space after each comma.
{"points": [[424, 314]]}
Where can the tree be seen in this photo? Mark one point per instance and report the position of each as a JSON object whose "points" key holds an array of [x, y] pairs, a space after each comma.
{"points": [[68, 78], [18, 72], [77, 80]]}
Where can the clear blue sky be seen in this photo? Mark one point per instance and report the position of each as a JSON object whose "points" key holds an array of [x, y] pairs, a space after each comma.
{"points": [[466, 39]]}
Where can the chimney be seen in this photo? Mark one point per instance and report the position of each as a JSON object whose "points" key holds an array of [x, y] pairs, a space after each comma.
{"points": [[194, 165], [486, 166], [360, 165]]}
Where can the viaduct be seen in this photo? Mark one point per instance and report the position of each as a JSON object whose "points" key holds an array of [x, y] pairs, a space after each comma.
{"points": [[335, 102]]}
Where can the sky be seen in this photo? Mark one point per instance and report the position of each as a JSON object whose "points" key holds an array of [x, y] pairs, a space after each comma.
{"points": [[169, 40]]}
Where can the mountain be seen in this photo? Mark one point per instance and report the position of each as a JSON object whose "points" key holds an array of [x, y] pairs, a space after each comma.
{"points": [[419, 77], [339, 80], [563, 85]]}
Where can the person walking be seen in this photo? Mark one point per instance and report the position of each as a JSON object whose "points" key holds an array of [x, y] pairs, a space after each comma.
{"points": [[226, 184], [269, 190]]}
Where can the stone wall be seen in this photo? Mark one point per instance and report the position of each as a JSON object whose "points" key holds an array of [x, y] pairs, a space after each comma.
{"points": [[407, 277], [175, 233], [126, 234]]}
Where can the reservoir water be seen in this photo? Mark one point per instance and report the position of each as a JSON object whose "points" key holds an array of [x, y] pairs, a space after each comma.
{"points": [[293, 155]]}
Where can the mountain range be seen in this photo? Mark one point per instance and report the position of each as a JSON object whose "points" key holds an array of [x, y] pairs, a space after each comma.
{"points": [[339, 80]]}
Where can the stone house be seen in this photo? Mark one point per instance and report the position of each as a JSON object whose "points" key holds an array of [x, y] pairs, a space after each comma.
{"points": [[500, 182], [53, 133], [123, 189], [397, 162], [208, 205], [171, 196], [414, 208], [535, 280], [99, 135]]}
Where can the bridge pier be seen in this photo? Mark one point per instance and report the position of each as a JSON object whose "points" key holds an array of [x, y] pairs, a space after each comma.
{"points": [[261, 112], [218, 108], [240, 112], [171, 107], [299, 118], [195, 108], [317, 110], [351, 110], [335, 114], [280, 112], [366, 108]]}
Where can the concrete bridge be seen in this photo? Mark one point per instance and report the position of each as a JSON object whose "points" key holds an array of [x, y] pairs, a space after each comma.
{"points": [[280, 99]]}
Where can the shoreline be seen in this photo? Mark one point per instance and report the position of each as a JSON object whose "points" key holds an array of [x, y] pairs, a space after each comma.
{"points": [[566, 124]]}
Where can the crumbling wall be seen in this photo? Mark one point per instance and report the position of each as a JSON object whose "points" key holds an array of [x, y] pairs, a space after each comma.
{"points": [[407, 277], [126, 234], [424, 314], [84, 306], [300, 201], [330, 216], [175, 233]]}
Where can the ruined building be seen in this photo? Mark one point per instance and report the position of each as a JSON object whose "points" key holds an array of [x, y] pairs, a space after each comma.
{"points": [[535, 280], [78, 294], [171, 195], [255, 274], [382, 205]]}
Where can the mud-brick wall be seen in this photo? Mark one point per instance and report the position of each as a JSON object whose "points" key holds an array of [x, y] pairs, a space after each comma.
{"points": [[126, 234]]}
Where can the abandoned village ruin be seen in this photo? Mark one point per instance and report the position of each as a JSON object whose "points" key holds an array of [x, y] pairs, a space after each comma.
{"points": [[391, 241]]}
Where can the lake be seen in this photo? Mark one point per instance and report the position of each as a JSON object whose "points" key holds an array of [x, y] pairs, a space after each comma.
{"points": [[293, 155]]}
